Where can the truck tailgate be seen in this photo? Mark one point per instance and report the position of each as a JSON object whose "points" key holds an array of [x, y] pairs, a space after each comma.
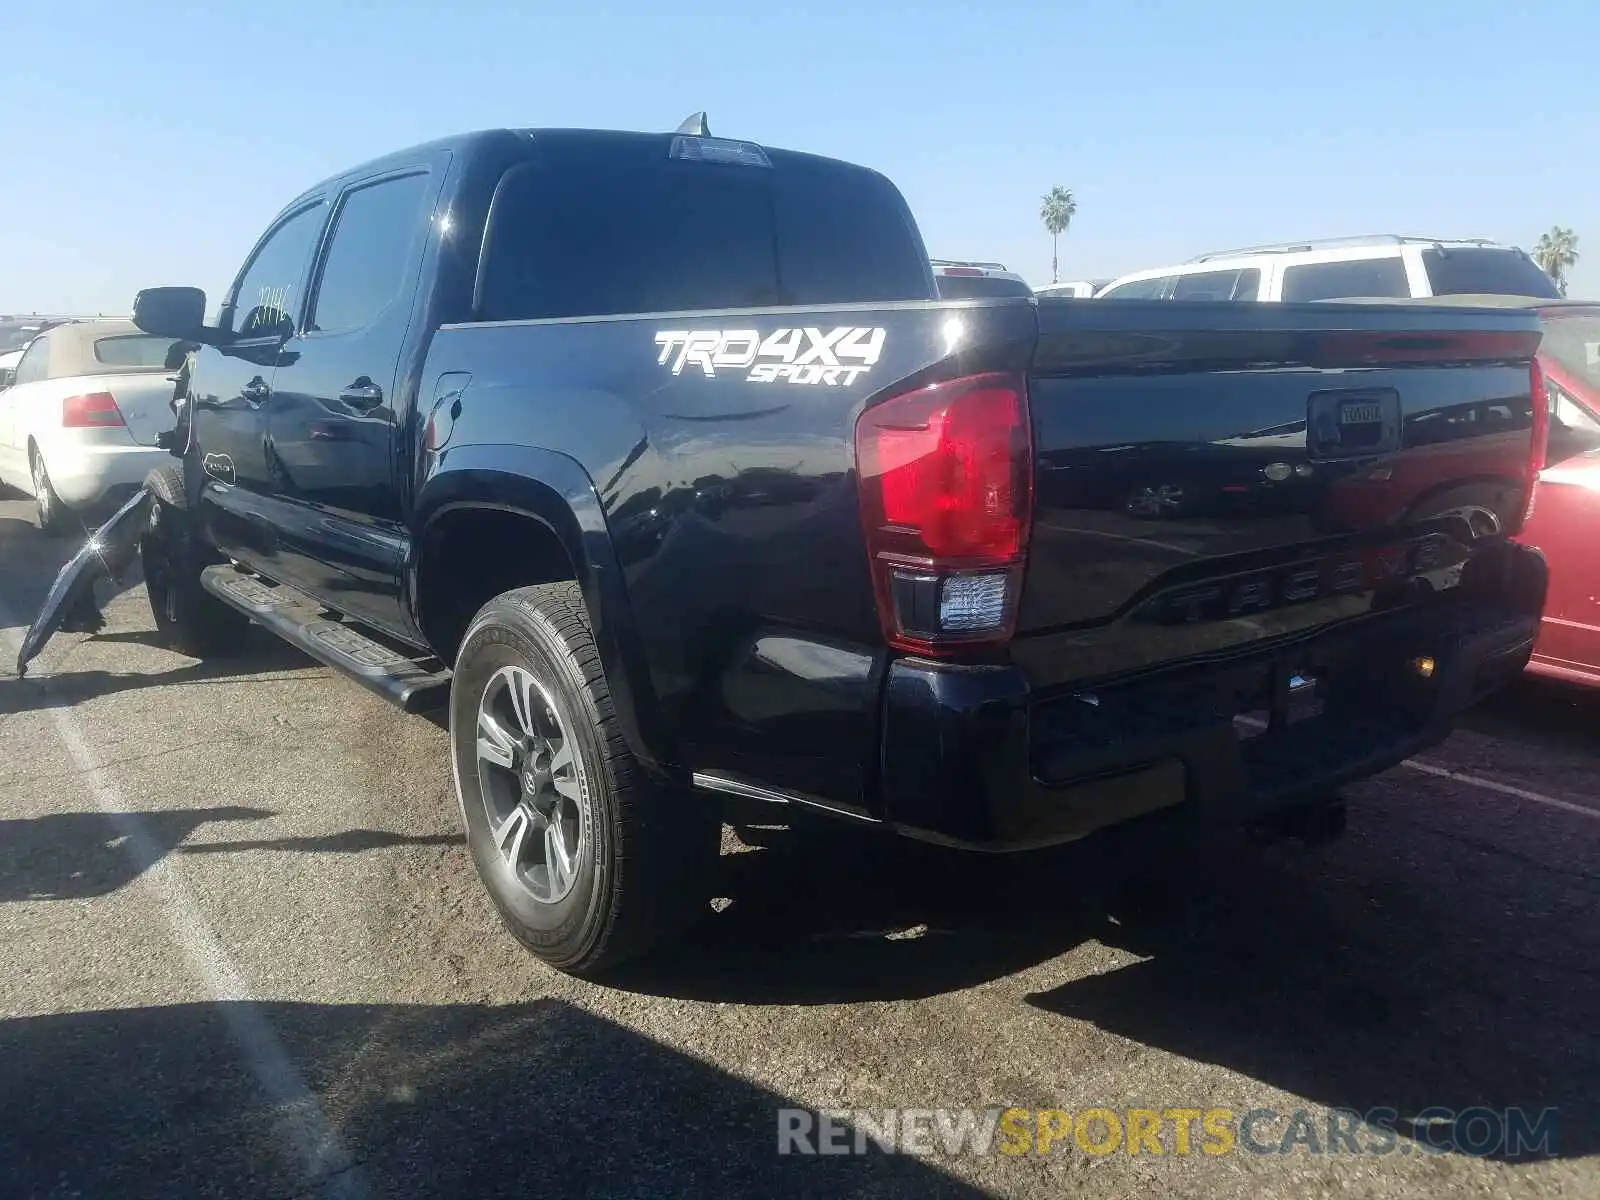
{"points": [[1208, 475]]}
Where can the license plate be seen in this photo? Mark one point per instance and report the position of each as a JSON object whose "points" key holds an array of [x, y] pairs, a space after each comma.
{"points": [[1360, 414]]}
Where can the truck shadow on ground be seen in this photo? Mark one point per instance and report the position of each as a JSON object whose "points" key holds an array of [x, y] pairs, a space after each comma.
{"points": [[1393, 969], [53, 682], [827, 918], [539, 1099], [78, 855], [1392, 996], [1541, 712], [30, 559]]}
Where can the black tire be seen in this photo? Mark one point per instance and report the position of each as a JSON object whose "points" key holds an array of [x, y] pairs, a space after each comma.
{"points": [[644, 849], [52, 515], [189, 619]]}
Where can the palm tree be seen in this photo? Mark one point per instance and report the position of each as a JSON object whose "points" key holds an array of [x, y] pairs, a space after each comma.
{"points": [[1057, 212], [1555, 252]]}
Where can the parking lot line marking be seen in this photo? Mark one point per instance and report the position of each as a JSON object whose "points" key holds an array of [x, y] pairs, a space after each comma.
{"points": [[1417, 764], [1506, 788], [297, 1114]]}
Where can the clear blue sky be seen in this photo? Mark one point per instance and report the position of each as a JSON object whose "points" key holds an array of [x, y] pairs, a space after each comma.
{"points": [[168, 133]]}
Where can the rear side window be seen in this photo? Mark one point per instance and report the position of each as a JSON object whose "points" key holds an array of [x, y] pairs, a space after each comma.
{"points": [[1471, 271], [35, 364], [1574, 342], [1346, 280], [976, 287], [365, 267], [133, 350], [1568, 413], [1218, 285], [1139, 289], [587, 232]]}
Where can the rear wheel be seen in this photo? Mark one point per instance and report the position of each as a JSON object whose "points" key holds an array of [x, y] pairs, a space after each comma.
{"points": [[190, 619], [47, 507], [589, 860]]}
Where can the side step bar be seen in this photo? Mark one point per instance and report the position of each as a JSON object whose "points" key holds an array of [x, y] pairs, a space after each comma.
{"points": [[415, 684]]}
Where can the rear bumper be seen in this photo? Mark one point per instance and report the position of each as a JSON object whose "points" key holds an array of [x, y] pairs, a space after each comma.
{"points": [[85, 474], [972, 756]]}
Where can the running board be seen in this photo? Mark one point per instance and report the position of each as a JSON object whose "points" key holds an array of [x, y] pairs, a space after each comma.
{"points": [[415, 684]]}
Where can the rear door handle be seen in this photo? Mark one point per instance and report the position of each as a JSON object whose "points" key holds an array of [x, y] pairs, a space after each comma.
{"points": [[363, 394], [255, 392]]}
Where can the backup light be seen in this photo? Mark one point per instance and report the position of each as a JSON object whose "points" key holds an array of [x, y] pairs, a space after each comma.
{"points": [[946, 492]]}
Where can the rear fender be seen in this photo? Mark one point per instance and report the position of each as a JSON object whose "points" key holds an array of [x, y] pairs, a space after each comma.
{"points": [[556, 491]]}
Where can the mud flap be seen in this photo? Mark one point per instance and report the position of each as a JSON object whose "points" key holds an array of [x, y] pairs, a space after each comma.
{"points": [[109, 551]]}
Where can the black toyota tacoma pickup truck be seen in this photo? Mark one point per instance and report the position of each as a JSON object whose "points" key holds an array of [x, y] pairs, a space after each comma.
{"points": [[657, 460]]}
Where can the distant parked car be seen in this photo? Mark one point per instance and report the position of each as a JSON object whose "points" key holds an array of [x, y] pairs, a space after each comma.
{"points": [[78, 425], [1386, 265], [17, 332], [977, 280]]}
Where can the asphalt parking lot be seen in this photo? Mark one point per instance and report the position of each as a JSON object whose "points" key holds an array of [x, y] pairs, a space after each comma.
{"points": [[246, 956]]}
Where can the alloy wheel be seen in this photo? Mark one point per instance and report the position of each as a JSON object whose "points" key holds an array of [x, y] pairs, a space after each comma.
{"points": [[532, 784], [41, 490]]}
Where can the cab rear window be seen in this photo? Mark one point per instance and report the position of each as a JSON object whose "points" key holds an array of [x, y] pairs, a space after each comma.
{"points": [[601, 229]]}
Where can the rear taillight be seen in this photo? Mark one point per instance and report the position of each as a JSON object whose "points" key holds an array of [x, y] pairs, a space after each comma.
{"points": [[97, 410], [946, 488], [1539, 447]]}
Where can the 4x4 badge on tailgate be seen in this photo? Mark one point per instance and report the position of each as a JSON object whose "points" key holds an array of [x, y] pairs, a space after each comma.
{"points": [[830, 357]]}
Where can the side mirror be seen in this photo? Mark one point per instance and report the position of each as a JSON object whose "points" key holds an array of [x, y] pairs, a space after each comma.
{"points": [[7, 377], [174, 312]]}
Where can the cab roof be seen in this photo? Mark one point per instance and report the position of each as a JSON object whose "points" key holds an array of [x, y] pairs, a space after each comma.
{"points": [[620, 140]]}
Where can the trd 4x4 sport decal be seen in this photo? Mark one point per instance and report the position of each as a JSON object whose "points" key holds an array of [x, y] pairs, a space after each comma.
{"points": [[832, 358]]}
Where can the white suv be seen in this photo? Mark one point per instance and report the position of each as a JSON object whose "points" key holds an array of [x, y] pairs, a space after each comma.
{"points": [[1077, 289], [961, 280], [1344, 268]]}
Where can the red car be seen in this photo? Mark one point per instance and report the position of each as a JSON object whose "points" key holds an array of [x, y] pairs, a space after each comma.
{"points": [[1565, 517]]}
